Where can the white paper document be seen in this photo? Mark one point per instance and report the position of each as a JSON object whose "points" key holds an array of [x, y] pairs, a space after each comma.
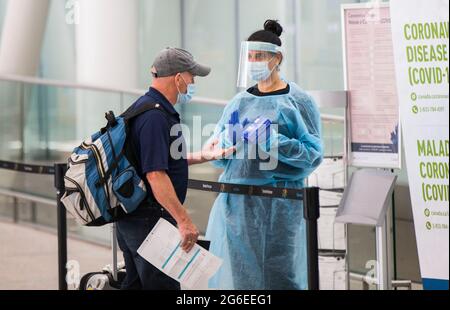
{"points": [[162, 249]]}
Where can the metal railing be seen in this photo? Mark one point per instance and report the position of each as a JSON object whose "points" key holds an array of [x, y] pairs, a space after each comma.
{"points": [[327, 99]]}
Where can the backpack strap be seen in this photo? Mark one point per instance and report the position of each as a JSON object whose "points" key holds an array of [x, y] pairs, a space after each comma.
{"points": [[131, 112], [128, 115]]}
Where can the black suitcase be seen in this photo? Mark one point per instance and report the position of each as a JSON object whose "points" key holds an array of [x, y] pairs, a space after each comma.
{"points": [[103, 280]]}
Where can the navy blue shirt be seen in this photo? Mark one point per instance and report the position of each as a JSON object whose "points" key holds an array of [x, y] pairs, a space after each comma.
{"points": [[150, 133]]}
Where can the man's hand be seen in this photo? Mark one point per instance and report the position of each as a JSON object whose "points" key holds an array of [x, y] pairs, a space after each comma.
{"points": [[212, 151], [189, 234]]}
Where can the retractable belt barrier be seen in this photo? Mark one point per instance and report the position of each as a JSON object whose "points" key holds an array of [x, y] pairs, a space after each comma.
{"points": [[27, 168], [239, 189], [309, 196], [201, 185]]}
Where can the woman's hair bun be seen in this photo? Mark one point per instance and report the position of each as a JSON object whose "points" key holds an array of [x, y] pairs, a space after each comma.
{"points": [[273, 26]]}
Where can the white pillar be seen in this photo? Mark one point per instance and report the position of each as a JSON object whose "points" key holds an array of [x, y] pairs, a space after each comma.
{"points": [[22, 35], [107, 47], [107, 43]]}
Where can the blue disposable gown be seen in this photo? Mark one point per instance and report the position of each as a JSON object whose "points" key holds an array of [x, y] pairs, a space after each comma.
{"points": [[262, 241]]}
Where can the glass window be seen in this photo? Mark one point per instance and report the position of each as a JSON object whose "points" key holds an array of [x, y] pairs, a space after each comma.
{"points": [[159, 27], [209, 34]]}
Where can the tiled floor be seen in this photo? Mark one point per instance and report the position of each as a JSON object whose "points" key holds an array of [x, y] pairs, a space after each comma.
{"points": [[28, 257]]}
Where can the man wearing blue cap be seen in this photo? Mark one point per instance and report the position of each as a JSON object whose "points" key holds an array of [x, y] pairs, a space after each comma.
{"points": [[165, 173]]}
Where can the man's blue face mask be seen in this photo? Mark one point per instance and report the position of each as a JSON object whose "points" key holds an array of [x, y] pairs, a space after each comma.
{"points": [[187, 97]]}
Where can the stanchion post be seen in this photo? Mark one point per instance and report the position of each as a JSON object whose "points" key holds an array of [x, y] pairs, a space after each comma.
{"points": [[311, 213], [15, 210], [60, 170]]}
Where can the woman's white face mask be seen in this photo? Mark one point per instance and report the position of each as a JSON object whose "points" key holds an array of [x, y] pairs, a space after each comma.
{"points": [[260, 70]]}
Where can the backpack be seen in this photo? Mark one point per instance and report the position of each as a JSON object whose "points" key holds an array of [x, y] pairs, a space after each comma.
{"points": [[101, 183]]}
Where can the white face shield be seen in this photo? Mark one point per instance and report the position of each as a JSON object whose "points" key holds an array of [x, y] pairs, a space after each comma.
{"points": [[257, 62]]}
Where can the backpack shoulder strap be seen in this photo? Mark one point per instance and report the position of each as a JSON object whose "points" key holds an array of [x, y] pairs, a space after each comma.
{"points": [[131, 113]]}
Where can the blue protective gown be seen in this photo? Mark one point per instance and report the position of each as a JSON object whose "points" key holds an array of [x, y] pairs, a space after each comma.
{"points": [[262, 241]]}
